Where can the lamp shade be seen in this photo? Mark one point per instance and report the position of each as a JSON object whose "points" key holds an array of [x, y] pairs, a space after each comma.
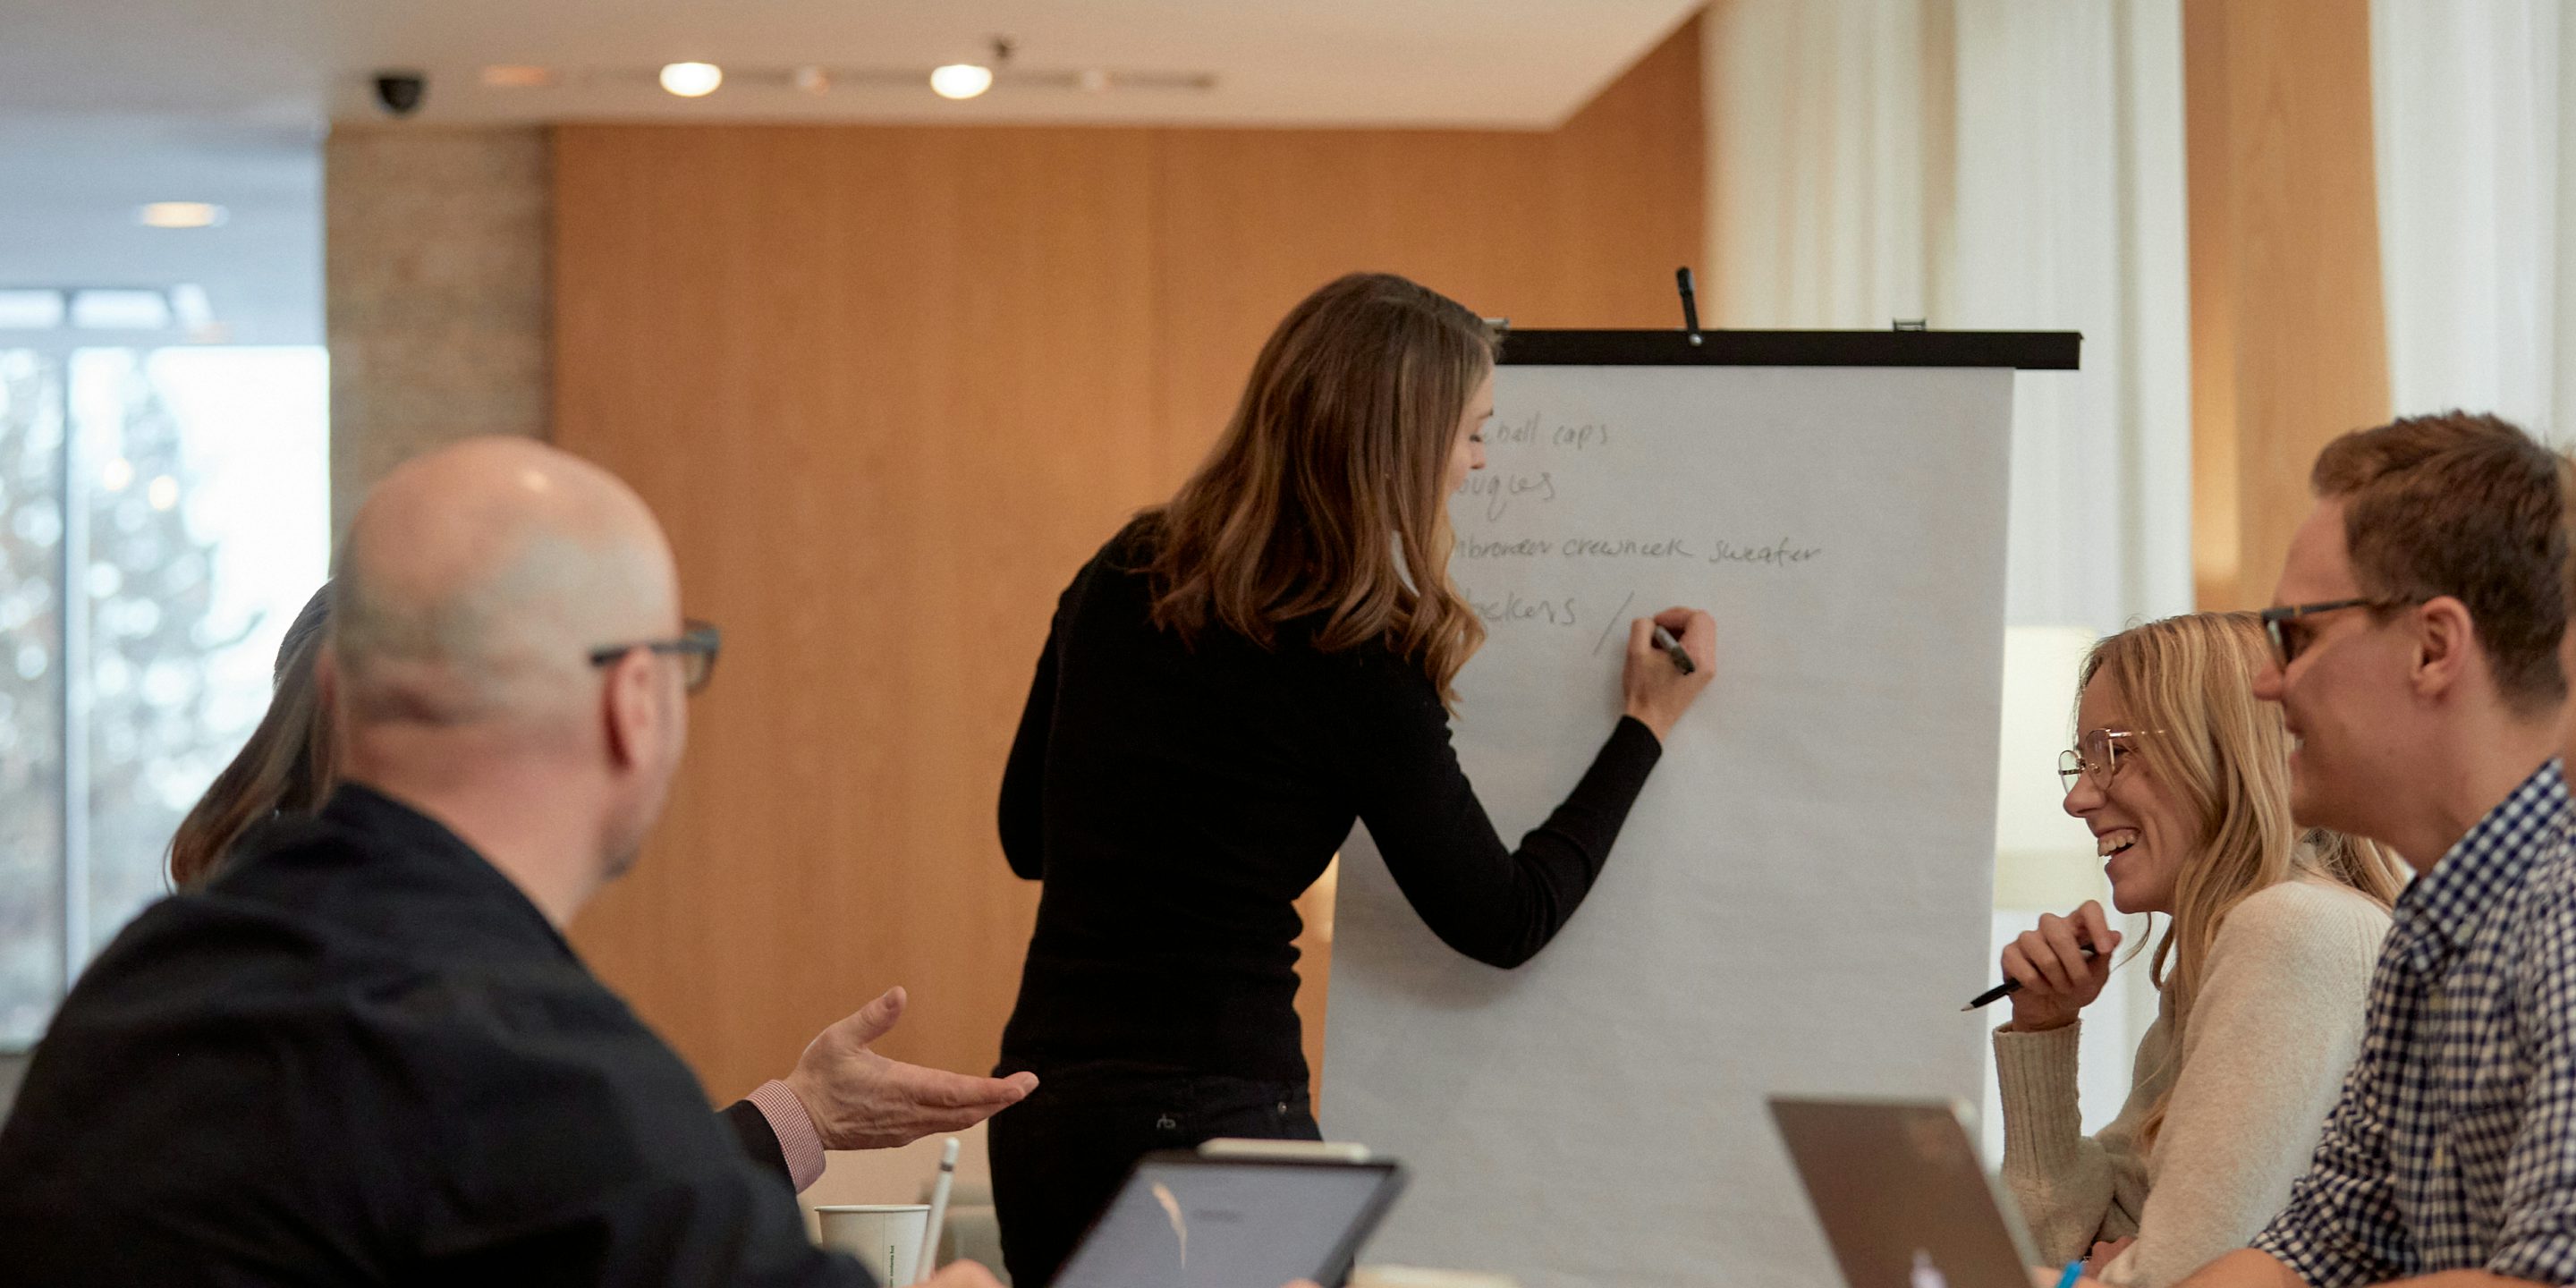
{"points": [[2043, 857]]}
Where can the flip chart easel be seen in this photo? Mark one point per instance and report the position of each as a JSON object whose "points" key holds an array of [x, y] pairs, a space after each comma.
{"points": [[1801, 895]]}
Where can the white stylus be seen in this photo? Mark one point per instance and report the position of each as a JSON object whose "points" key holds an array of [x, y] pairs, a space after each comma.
{"points": [[938, 1210]]}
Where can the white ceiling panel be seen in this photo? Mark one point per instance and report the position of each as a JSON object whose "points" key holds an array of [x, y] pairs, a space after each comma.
{"points": [[1488, 63]]}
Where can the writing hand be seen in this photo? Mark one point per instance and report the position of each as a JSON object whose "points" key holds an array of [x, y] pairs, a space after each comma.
{"points": [[2057, 980], [861, 1100], [1657, 692]]}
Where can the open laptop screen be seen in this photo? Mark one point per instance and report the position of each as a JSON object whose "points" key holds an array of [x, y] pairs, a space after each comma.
{"points": [[1183, 1221], [1901, 1197]]}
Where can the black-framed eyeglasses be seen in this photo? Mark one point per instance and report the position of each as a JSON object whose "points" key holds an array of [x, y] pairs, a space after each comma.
{"points": [[2289, 638], [2096, 756], [696, 649]]}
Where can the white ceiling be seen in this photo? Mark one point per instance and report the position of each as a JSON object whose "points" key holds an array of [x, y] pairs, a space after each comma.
{"points": [[107, 104], [70, 186], [1489, 63]]}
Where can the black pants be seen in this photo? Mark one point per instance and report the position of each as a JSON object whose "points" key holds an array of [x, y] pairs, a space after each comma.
{"points": [[1059, 1155]]}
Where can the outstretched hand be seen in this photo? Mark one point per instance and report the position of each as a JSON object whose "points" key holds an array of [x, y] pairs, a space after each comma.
{"points": [[861, 1100]]}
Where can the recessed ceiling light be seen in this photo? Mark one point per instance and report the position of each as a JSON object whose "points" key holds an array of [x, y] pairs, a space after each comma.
{"points": [[692, 80], [181, 214], [960, 80], [518, 76]]}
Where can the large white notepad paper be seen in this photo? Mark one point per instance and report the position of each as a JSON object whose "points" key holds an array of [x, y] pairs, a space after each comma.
{"points": [[1799, 902]]}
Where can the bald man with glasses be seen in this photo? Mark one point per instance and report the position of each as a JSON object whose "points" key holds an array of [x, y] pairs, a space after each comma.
{"points": [[365, 1052]]}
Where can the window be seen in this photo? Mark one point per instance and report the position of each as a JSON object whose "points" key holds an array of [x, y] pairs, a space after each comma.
{"points": [[163, 515]]}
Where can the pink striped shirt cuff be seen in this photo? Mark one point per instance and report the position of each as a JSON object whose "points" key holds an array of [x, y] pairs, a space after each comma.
{"points": [[794, 1128]]}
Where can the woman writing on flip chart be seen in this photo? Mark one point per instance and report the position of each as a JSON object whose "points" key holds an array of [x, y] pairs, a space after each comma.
{"points": [[2184, 779], [1235, 677]]}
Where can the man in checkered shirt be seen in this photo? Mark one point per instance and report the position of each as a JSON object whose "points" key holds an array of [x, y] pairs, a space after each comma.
{"points": [[2416, 656]]}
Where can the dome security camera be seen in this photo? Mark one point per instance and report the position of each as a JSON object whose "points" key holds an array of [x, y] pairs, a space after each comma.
{"points": [[400, 93]]}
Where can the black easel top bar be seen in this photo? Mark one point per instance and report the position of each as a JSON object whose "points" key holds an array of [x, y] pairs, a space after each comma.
{"points": [[2026, 350]]}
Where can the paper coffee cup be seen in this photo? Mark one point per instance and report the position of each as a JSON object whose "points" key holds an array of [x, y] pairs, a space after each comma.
{"points": [[885, 1237]]}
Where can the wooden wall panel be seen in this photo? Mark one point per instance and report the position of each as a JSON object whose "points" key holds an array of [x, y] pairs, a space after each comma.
{"points": [[884, 387], [889, 387], [2289, 341], [1577, 227]]}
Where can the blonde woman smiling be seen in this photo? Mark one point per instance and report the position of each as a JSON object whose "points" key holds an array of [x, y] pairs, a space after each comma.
{"points": [[2184, 779]]}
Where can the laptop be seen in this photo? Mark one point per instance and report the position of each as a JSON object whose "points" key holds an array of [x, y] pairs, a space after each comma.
{"points": [[1897, 1186], [1236, 1213]]}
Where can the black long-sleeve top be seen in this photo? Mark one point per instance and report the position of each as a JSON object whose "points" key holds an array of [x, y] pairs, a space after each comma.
{"points": [[1176, 799], [361, 1055]]}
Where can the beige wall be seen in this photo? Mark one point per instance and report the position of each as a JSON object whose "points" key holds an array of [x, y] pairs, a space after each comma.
{"points": [[436, 292]]}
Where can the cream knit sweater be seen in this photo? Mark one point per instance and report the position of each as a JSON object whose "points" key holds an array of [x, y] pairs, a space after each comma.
{"points": [[2278, 1024]]}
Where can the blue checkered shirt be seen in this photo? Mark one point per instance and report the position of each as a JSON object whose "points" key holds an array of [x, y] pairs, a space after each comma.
{"points": [[2454, 1145]]}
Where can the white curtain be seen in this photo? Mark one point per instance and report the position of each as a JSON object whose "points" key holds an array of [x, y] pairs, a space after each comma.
{"points": [[1992, 165], [2477, 203], [1984, 164], [1819, 157]]}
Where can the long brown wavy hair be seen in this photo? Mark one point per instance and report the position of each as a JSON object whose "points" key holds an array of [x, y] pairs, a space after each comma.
{"points": [[284, 768], [1322, 499], [2188, 683]]}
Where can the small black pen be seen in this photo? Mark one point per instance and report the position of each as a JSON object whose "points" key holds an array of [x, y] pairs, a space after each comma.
{"points": [[2009, 987], [1681, 656]]}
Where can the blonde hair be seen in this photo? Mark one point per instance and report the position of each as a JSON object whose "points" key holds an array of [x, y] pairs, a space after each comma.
{"points": [[1322, 499], [2224, 756]]}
